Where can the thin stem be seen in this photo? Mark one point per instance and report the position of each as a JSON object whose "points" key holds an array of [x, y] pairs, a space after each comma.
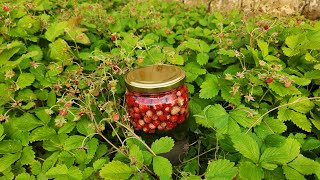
{"points": [[284, 105]]}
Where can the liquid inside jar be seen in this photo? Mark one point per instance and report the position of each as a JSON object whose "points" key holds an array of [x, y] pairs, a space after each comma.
{"points": [[157, 112]]}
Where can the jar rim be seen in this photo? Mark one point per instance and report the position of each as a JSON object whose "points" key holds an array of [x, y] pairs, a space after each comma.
{"points": [[154, 78]]}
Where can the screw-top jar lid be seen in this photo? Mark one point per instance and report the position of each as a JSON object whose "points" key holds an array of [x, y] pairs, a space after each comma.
{"points": [[155, 78]]}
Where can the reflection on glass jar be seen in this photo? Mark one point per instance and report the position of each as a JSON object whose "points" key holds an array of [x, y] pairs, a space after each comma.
{"points": [[156, 98]]}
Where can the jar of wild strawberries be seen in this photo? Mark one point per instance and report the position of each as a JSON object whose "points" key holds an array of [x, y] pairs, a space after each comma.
{"points": [[156, 97]]}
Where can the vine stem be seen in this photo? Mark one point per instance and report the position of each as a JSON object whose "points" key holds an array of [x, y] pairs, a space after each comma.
{"points": [[198, 155], [284, 105], [137, 137]]}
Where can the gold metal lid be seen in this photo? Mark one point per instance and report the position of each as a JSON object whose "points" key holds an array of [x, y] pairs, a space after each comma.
{"points": [[155, 78]]}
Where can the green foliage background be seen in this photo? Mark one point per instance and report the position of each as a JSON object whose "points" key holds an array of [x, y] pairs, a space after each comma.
{"points": [[253, 88]]}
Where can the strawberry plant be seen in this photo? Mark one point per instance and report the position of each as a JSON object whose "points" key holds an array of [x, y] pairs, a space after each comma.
{"points": [[253, 92]]}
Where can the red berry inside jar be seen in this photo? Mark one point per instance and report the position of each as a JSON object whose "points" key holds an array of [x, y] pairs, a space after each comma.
{"points": [[156, 98]]}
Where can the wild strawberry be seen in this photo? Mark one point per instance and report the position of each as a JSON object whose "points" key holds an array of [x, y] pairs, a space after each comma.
{"points": [[157, 107], [160, 128], [180, 101], [136, 110], [287, 84], [113, 38], [115, 67], [149, 113], [89, 7], [76, 82], [181, 118], [145, 129], [136, 116], [163, 124], [152, 126], [178, 93], [174, 118], [6, 8], [169, 126], [167, 108], [115, 117], [141, 122], [162, 118], [147, 119], [139, 127], [152, 131], [110, 17], [266, 27], [63, 112], [168, 117], [156, 123], [143, 108], [269, 80], [175, 110], [68, 104], [168, 31], [159, 113], [154, 117], [182, 110]]}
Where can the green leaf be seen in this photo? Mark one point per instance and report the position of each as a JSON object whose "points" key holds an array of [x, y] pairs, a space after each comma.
{"points": [[10, 146], [315, 74], [77, 35], [24, 80], [283, 91], [136, 156], [300, 120], [42, 133], [250, 171], [247, 146], [263, 47], [304, 165], [85, 127], [246, 117], [61, 172], [275, 125], [55, 30], [26, 122], [97, 165], [116, 170], [202, 58], [52, 98], [27, 156], [221, 169], [292, 174], [60, 51], [176, 59], [73, 142], [311, 144], [217, 116], [162, 145], [24, 176], [6, 55], [1, 130], [280, 155], [7, 160], [192, 177], [301, 104], [209, 87], [162, 167]]}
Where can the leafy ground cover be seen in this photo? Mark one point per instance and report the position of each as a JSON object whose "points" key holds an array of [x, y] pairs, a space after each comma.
{"points": [[253, 89]]}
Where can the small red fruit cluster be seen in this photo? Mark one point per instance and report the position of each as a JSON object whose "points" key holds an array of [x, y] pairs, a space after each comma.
{"points": [[164, 111]]}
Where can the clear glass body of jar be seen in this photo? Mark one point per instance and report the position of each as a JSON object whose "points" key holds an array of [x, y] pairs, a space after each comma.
{"points": [[157, 111]]}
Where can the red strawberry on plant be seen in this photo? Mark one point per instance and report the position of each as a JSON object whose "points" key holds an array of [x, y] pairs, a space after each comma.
{"points": [[287, 84], [266, 27], [63, 112], [113, 38], [269, 80], [115, 117], [68, 105], [6, 8]]}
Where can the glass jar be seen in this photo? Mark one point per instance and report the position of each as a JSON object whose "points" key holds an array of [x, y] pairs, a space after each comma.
{"points": [[156, 98]]}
